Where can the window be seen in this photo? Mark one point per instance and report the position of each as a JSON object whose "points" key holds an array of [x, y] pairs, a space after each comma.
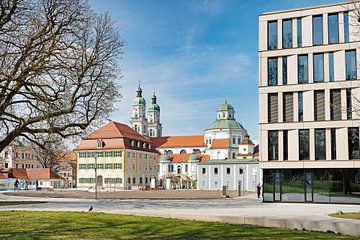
{"points": [[134, 180], [99, 154], [151, 133], [299, 32], [216, 171], [203, 170], [100, 143], [304, 144], [284, 70], [285, 145], [350, 62], [272, 71], [300, 107], [333, 143], [272, 35], [287, 33], [91, 166], [228, 171], [272, 107], [319, 105], [109, 166], [273, 145], [138, 143], [118, 166], [335, 104], [303, 76], [82, 166], [234, 140], [353, 143], [288, 106], [346, 26], [118, 153], [82, 154], [132, 142], [331, 66], [318, 67], [100, 166], [320, 144], [129, 180], [317, 30], [183, 151], [348, 104], [169, 152], [108, 154], [186, 168], [333, 28], [239, 140], [241, 171]]}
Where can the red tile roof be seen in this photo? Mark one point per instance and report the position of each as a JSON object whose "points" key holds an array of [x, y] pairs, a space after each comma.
{"points": [[178, 141], [220, 143], [67, 156], [41, 173], [18, 173], [183, 158]]}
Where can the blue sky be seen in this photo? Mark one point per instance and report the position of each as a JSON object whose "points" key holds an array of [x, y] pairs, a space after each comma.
{"points": [[195, 53]]}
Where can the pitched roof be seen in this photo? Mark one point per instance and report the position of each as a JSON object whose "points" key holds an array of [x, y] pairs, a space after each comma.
{"points": [[67, 156], [116, 130], [41, 173], [184, 158], [18, 173], [178, 141], [220, 143], [247, 141]]}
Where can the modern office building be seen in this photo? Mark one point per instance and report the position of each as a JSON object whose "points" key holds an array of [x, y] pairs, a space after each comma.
{"points": [[308, 100]]}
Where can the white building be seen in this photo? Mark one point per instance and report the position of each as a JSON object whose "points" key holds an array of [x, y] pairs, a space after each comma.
{"points": [[308, 89], [17, 155]]}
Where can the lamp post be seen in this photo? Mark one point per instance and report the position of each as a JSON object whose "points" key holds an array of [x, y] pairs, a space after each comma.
{"points": [[96, 176]]}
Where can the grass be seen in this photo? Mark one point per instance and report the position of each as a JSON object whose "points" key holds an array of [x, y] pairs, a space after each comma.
{"points": [[11, 203], [351, 215], [84, 225]]}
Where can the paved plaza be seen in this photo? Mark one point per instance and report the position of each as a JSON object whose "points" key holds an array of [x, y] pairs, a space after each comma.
{"points": [[241, 210]]}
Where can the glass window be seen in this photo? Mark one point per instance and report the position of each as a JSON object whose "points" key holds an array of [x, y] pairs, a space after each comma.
{"points": [[318, 67], [203, 170], [216, 171], [292, 185], [304, 144], [287, 33], [353, 143], [288, 106], [320, 144], [300, 107], [317, 30], [333, 143], [100, 166], [335, 104], [109, 166], [350, 62], [273, 145], [228, 171], [272, 107], [303, 76], [346, 26], [284, 70], [118, 165], [82, 166], [272, 71], [331, 66], [319, 105], [285, 145], [272, 35], [333, 28], [348, 104], [118, 153], [299, 32]]}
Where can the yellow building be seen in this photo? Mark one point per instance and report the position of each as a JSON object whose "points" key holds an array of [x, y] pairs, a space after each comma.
{"points": [[122, 158]]}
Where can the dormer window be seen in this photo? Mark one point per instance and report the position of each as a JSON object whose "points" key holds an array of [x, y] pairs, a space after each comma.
{"points": [[100, 143]]}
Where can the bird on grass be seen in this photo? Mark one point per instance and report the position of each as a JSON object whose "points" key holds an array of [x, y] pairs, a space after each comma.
{"points": [[91, 208]]}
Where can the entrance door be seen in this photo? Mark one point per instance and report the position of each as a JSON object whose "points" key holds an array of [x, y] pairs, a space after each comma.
{"points": [[308, 187], [277, 186], [100, 181]]}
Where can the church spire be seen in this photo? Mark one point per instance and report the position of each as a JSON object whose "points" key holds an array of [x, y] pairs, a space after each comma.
{"points": [[153, 99], [139, 91]]}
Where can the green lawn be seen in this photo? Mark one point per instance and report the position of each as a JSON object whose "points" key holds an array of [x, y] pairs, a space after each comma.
{"points": [[352, 215], [6, 203], [85, 225]]}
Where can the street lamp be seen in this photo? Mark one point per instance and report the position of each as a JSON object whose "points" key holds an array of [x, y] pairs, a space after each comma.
{"points": [[95, 176]]}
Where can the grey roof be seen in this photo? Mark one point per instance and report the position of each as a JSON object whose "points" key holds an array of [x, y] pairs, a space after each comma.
{"points": [[230, 161]]}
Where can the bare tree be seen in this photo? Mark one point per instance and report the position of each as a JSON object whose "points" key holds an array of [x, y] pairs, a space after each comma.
{"points": [[58, 63]]}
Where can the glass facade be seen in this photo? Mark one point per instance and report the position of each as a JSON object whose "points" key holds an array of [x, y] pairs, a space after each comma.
{"points": [[303, 76], [318, 67], [272, 71], [304, 153], [346, 27], [350, 63], [331, 66], [348, 104], [353, 143], [333, 143], [312, 185], [272, 35], [285, 145], [273, 145], [287, 33], [299, 32], [284, 70], [333, 28], [320, 144], [300, 107], [317, 30]]}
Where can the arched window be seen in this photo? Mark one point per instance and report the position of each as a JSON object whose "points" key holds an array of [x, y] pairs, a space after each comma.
{"points": [[233, 155], [169, 152], [183, 151], [151, 133], [100, 143], [136, 128], [197, 151], [178, 169], [239, 140]]}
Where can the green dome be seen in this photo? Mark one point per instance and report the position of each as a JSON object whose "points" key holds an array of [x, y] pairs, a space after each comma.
{"points": [[225, 123], [139, 101], [194, 158], [154, 107], [165, 158], [225, 107]]}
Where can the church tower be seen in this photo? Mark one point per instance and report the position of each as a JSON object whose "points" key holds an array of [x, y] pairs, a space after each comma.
{"points": [[138, 119], [155, 128]]}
